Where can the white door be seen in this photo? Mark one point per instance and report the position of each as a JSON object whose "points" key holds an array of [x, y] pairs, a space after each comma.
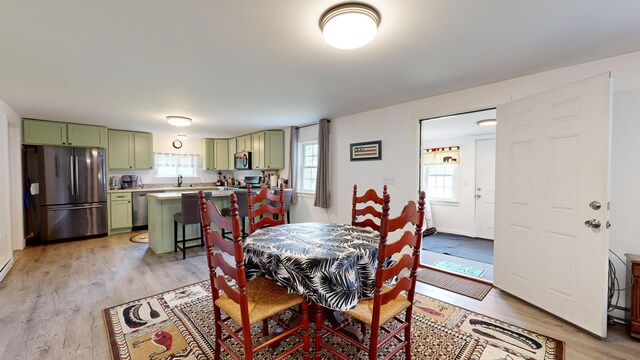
{"points": [[485, 187], [552, 163]]}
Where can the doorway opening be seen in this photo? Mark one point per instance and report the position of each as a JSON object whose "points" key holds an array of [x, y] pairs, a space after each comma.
{"points": [[457, 172]]}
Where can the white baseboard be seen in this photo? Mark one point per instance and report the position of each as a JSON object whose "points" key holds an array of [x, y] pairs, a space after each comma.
{"points": [[6, 268]]}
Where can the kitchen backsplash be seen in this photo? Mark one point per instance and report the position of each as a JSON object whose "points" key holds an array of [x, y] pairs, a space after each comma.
{"points": [[205, 177]]}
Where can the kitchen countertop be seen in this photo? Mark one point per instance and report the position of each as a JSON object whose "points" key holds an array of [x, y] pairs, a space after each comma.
{"points": [[183, 188], [178, 195]]}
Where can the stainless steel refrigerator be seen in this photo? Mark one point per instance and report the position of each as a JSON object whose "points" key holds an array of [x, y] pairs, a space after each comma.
{"points": [[73, 192]]}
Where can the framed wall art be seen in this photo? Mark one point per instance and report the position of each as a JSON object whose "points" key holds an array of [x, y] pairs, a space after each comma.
{"points": [[369, 150]]}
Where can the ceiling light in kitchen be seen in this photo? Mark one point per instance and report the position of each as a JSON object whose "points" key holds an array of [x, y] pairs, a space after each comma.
{"points": [[349, 25], [487, 122], [179, 120]]}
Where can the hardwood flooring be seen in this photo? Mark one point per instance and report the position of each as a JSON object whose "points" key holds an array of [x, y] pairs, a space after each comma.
{"points": [[51, 301]]}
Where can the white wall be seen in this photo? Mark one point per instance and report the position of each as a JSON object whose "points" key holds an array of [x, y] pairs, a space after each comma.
{"points": [[10, 217], [397, 127]]}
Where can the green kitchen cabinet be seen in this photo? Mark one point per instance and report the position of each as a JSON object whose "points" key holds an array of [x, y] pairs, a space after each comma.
{"points": [[143, 150], [216, 154], [43, 132], [257, 153], [244, 143], [120, 211], [232, 143], [268, 150], [86, 135], [40, 132], [130, 150]]}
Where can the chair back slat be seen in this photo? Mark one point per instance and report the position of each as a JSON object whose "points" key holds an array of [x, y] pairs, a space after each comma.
{"points": [[227, 269], [258, 208], [405, 262], [369, 200], [407, 239], [409, 214], [404, 284], [222, 285]]}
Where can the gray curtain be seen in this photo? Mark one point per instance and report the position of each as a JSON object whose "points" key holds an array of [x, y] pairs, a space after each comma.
{"points": [[323, 193], [293, 163]]}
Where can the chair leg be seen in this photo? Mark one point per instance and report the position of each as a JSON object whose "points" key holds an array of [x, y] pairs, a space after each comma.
{"points": [[407, 334], [373, 341], [363, 329], [201, 236], [217, 346], [318, 339], [244, 233], [184, 241], [175, 236], [306, 344], [288, 217], [265, 327]]}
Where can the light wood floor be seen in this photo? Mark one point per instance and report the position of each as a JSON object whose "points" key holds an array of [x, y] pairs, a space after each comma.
{"points": [[51, 301]]}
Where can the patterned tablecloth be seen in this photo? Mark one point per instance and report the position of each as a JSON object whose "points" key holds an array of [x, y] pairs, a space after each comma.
{"points": [[331, 264]]}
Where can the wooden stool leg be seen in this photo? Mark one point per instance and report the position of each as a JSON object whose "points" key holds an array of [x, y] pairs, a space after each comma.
{"points": [[318, 340], [175, 236], [306, 344], [184, 241]]}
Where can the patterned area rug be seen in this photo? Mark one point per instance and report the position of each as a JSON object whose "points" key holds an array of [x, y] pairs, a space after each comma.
{"points": [[140, 238], [460, 268], [473, 289], [178, 325]]}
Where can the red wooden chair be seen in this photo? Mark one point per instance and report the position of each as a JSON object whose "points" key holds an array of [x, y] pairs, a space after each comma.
{"points": [[248, 302], [389, 300], [257, 207], [369, 199]]}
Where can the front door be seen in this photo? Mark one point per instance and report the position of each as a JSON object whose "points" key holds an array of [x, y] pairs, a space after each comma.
{"points": [[551, 241], [485, 187]]}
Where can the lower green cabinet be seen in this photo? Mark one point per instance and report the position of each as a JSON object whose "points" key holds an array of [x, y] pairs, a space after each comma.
{"points": [[120, 212]]}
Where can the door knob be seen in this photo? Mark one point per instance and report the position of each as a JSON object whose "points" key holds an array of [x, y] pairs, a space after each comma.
{"points": [[593, 223], [478, 196], [595, 205]]}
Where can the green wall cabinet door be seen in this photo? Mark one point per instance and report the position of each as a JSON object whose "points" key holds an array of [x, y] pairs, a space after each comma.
{"points": [[40, 132], [274, 149], [143, 151], [244, 143], [221, 154], [257, 151], [121, 150], [232, 152], [86, 135], [208, 160]]}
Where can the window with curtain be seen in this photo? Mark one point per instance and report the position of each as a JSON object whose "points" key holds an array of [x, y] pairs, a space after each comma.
{"points": [[440, 172], [308, 155], [172, 165]]}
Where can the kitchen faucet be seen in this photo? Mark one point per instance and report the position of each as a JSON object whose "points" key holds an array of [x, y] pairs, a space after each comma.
{"points": [[179, 180]]}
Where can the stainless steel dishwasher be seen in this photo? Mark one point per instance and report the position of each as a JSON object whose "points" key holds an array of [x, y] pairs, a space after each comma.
{"points": [[140, 209]]}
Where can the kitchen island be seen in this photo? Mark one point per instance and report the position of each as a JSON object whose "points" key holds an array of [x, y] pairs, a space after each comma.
{"points": [[162, 207]]}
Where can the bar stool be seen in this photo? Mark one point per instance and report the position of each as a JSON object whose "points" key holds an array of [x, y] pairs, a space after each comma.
{"points": [[189, 215], [243, 211], [287, 201]]}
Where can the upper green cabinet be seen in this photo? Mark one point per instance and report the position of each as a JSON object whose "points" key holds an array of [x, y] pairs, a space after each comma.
{"points": [[41, 132], [232, 144], [216, 154], [267, 150], [130, 150], [243, 143]]}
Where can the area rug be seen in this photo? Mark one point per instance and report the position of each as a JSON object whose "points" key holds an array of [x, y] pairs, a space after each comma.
{"points": [[140, 238], [459, 268], [466, 247], [178, 325], [459, 285]]}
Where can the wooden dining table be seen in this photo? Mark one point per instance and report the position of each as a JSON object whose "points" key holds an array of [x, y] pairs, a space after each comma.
{"points": [[332, 265]]}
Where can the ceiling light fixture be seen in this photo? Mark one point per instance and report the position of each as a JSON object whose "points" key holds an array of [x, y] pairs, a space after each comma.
{"points": [[487, 122], [182, 137], [179, 120], [349, 25]]}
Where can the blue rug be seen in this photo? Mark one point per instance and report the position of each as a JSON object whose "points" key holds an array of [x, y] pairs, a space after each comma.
{"points": [[459, 268]]}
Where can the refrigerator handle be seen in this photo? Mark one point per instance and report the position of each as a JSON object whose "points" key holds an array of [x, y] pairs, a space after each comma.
{"points": [[73, 185], [76, 177]]}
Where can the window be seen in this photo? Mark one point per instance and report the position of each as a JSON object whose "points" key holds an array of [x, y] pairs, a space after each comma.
{"points": [[172, 165], [308, 166], [441, 181]]}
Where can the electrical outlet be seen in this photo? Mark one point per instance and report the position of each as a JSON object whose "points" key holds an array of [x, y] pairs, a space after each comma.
{"points": [[389, 180]]}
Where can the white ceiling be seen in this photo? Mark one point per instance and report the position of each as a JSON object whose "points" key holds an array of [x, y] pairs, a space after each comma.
{"points": [[237, 66], [457, 126]]}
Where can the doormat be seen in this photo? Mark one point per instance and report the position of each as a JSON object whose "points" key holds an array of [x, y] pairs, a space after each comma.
{"points": [[460, 268], [140, 238], [178, 324], [459, 285]]}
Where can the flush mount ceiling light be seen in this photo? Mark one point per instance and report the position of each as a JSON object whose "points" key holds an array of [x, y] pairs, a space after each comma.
{"points": [[487, 122], [182, 137], [349, 25], [179, 120]]}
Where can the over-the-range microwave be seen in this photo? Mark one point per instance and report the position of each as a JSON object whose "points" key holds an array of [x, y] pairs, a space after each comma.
{"points": [[242, 160]]}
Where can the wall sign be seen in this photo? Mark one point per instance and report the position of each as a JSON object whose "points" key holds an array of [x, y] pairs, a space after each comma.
{"points": [[370, 150]]}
